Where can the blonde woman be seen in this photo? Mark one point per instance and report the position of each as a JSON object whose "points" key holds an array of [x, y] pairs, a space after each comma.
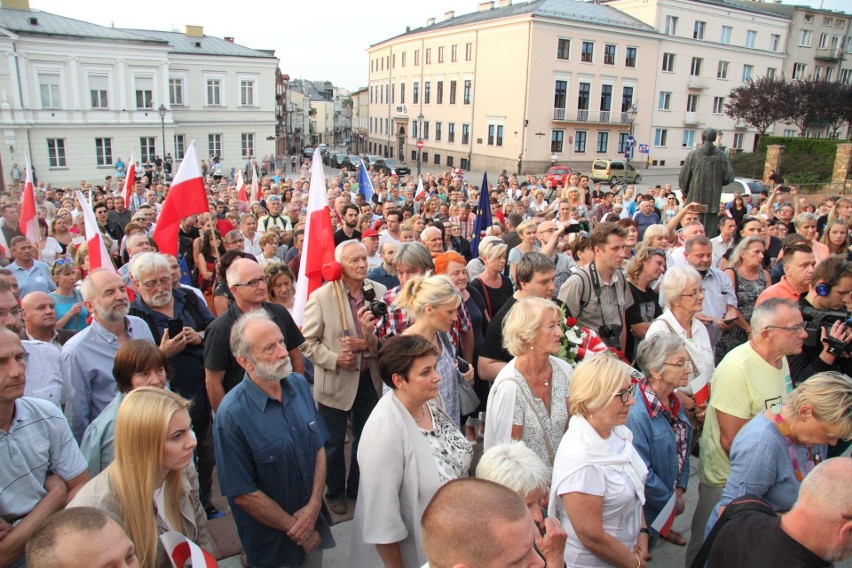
{"points": [[526, 231], [145, 489], [656, 236]]}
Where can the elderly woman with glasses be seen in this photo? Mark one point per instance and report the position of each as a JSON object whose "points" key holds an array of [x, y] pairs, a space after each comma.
{"points": [[598, 486], [662, 432]]}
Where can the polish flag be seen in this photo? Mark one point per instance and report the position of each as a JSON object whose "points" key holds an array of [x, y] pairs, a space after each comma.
{"points": [[98, 253], [187, 196], [129, 179], [255, 185], [28, 223], [241, 187], [180, 550], [700, 388], [420, 191], [318, 247], [663, 523]]}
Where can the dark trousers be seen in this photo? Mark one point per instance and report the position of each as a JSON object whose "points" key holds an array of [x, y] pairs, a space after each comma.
{"points": [[335, 422], [205, 459]]}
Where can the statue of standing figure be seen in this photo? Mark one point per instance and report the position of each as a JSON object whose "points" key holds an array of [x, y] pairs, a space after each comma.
{"points": [[702, 176]]}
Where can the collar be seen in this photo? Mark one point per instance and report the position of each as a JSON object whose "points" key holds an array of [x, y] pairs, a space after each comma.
{"points": [[652, 401], [54, 339], [106, 334], [260, 399]]}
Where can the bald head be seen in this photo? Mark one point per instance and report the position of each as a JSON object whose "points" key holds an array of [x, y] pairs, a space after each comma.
{"points": [[827, 488], [39, 315]]}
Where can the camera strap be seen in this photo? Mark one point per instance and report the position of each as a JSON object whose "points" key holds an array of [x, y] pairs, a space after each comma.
{"points": [[596, 285]]}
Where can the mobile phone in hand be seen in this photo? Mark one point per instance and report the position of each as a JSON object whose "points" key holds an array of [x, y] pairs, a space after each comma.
{"points": [[175, 326]]}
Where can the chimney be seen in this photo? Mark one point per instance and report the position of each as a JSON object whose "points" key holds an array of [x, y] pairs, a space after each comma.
{"points": [[449, 15], [229, 39], [194, 31], [485, 6], [15, 4], [430, 22], [505, 3]]}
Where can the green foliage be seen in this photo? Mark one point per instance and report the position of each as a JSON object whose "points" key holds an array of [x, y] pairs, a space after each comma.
{"points": [[805, 168], [806, 146], [750, 165]]}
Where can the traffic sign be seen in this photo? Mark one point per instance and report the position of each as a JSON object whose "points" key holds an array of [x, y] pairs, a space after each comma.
{"points": [[628, 153], [644, 148], [420, 143], [631, 141]]}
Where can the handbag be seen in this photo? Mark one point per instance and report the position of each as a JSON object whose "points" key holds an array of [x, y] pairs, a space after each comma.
{"points": [[468, 400]]}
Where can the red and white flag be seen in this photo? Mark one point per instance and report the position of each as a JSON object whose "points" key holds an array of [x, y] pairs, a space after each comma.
{"points": [[663, 523], [28, 223], [180, 549], [318, 247], [420, 191], [187, 196], [98, 253], [241, 187], [255, 185], [700, 388], [129, 179]]}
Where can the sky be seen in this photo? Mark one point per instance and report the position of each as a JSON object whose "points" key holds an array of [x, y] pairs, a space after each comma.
{"points": [[319, 40]]}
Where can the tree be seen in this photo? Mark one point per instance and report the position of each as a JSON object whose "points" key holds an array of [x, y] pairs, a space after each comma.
{"points": [[759, 103], [833, 106], [808, 107]]}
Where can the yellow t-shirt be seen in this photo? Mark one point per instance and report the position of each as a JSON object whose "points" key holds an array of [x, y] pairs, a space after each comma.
{"points": [[744, 385]]}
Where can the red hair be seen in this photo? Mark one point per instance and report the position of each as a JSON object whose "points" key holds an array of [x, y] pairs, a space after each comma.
{"points": [[445, 258]]}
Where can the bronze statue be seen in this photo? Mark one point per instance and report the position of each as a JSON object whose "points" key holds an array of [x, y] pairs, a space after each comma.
{"points": [[705, 171]]}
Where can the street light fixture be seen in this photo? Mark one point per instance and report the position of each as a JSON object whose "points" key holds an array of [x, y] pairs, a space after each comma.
{"points": [[162, 111], [420, 118], [632, 114]]}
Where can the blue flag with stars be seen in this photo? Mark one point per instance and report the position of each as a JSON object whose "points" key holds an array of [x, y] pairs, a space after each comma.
{"points": [[365, 184], [483, 217]]}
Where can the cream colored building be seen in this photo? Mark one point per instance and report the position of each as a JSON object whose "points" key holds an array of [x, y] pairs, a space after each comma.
{"points": [[360, 119], [510, 85], [76, 96]]}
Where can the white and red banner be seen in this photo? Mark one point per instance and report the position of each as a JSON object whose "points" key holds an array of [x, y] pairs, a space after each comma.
{"points": [[129, 179], [187, 196], [180, 549], [255, 184], [98, 254], [663, 523], [241, 187], [420, 193], [318, 247], [28, 223], [700, 388]]}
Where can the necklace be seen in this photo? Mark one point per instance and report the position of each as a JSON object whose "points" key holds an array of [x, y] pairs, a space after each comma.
{"points": [[546, 379], [813, 457], [422, 415]]}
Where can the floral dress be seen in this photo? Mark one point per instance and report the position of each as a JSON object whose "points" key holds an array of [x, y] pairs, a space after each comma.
{"points": [[540, 424], [747, 293]]}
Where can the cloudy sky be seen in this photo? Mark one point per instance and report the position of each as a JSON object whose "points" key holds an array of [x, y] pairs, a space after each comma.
{"points": [[319, 40]]}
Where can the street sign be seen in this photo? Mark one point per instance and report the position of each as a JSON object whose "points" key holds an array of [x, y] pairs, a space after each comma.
{"points": [[628, 153], [420, 143], [631, 141], [644, 148]]}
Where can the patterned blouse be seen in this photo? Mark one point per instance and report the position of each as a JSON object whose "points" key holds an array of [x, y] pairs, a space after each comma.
{"points": [[533, 419], [451, 451]]}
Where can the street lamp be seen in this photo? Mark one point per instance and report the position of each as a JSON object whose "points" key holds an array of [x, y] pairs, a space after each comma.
{"points": [[632, 114], [420, 118], [162, 111]]}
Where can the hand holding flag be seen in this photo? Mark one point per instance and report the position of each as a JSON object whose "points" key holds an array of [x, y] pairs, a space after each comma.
{"points": [[483, 217]]}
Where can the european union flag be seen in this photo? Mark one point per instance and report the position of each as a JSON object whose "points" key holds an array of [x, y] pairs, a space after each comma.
{"points": [[483, 217], [365, 184], [185, 276]]}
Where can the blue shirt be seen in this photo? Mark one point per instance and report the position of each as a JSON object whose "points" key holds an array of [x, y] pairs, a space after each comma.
{"points": [[33, 279], [265, 445], [87, 360], [380, 275]]}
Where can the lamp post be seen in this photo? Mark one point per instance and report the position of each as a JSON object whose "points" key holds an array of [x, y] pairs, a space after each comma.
{"points": [[419, 141], [162, 111], [632, 114]]}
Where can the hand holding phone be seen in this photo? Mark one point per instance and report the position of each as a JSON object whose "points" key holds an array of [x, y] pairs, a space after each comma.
{"points": [[175, 327]]}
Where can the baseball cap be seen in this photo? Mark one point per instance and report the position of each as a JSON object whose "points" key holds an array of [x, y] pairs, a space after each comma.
{"points": [[273, 198], [369, 233]]}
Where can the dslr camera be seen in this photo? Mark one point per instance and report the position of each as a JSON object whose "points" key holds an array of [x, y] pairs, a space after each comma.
{"points": [[611, 335], [377, 307], [817, 320]]}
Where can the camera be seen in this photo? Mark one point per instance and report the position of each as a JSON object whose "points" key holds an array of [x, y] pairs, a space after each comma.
{"points": [[377, 307], [611, 335], [821, 319]]}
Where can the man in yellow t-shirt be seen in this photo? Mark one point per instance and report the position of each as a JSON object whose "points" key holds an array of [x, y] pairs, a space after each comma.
{"points": [[750, 379]]}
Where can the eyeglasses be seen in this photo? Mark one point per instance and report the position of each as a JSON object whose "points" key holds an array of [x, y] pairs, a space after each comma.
{"points": [[253, 283], [164, 282], [693, 294], [626, 394], [794, 328], [685, 364]]}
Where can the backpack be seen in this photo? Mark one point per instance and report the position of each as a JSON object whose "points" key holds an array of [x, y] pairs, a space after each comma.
{"points": [[745, 504]]}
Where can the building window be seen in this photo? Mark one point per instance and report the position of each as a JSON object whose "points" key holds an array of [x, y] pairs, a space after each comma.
{"points": [[98, 88], [563, 49], [148, 147], [144, 92], [499, 134], [247, 143], [726, 35], [747, 71], [622, 142], [809, 18], [691, 103], [560, 94], [404, 53], [665, 100], [718, 105], [722, 70], [827, 22], [817, 72], [751, 38], [439, 96], [606, 97], [661, 135], [603, 142], [774, 39], [437, 131], [845, 76], [770, 72], [180, 146], [671, 25], [175, 92], [454, 53], [414, 126], [695, 68], [428, 56], [214, 92], [587, 51], [609, 54], [739, 137], [449, 161], [580, 141], [437, 159], [688, 138], [557, 141], [214, 145], [800, 70], [491, 129], [103, 151], [626, 98], [441, 54], [48, 84], [465, 134], [467, 87], [451, 132], [427, 92], [416, 57], [698, 30], [452, 92], [668, 62], [56, 152], [415, 93], [829, 74], [468, 51], [805, 38], [823, 40], [426, 130], [402, 93], [247, 93], [630, 57], [584, 96]]}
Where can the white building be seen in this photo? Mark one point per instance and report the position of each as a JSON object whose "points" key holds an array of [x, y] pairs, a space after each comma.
{"points": [[76, 96]]}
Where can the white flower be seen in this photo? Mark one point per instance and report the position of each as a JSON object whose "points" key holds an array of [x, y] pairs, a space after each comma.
{"points": [[573, 337]]}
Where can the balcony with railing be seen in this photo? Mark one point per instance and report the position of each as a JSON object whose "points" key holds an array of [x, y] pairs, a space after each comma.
{"points": [[695, 84], [590, 116], [690, 119], [828, 54]]}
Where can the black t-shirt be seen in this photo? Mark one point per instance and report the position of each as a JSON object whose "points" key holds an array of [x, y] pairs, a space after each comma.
{"points": [[755, 539], [495, 297], [493, 346], [340, 236], [645, 308], [217, 347]]}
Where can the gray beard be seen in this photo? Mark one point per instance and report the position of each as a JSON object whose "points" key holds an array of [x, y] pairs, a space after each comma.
{"points": [[272, 372]]}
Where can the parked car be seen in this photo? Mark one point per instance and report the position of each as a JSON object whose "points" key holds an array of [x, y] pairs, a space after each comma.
{"points": [[335, 159], [307, 152], [371, 161], [614, 171], [390, 166], [352, 162], [744, 186], [558, 175]]}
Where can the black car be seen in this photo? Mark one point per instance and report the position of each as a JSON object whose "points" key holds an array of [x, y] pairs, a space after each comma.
{"points": [[351, 162], [389, 166], [336, 159], [372, 161], [307, 152]]}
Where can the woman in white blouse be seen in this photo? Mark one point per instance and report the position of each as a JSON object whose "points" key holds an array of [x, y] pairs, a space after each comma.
{"points": [[529, 398], [414, 448]]}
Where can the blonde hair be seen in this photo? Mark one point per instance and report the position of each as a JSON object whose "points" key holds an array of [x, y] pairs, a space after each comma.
{"points": [[420, 292], [593, 382], [493, 248], [524, 226], [653, 232], [830, 395], [523, 323], [141, 427]]}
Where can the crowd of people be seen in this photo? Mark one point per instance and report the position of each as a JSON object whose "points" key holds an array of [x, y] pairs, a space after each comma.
{"points": [[596, 341]]}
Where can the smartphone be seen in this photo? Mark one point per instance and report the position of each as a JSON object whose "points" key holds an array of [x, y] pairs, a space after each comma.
{"points": [[464, 366], [701, 208], [175, 326], [784, 189]]}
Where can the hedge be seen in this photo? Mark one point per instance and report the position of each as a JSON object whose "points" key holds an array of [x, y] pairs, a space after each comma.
{"points": [[808, 146]]}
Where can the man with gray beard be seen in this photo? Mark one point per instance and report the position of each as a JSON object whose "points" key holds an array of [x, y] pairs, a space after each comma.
{"points": [[269, 443], [88, 357]]}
